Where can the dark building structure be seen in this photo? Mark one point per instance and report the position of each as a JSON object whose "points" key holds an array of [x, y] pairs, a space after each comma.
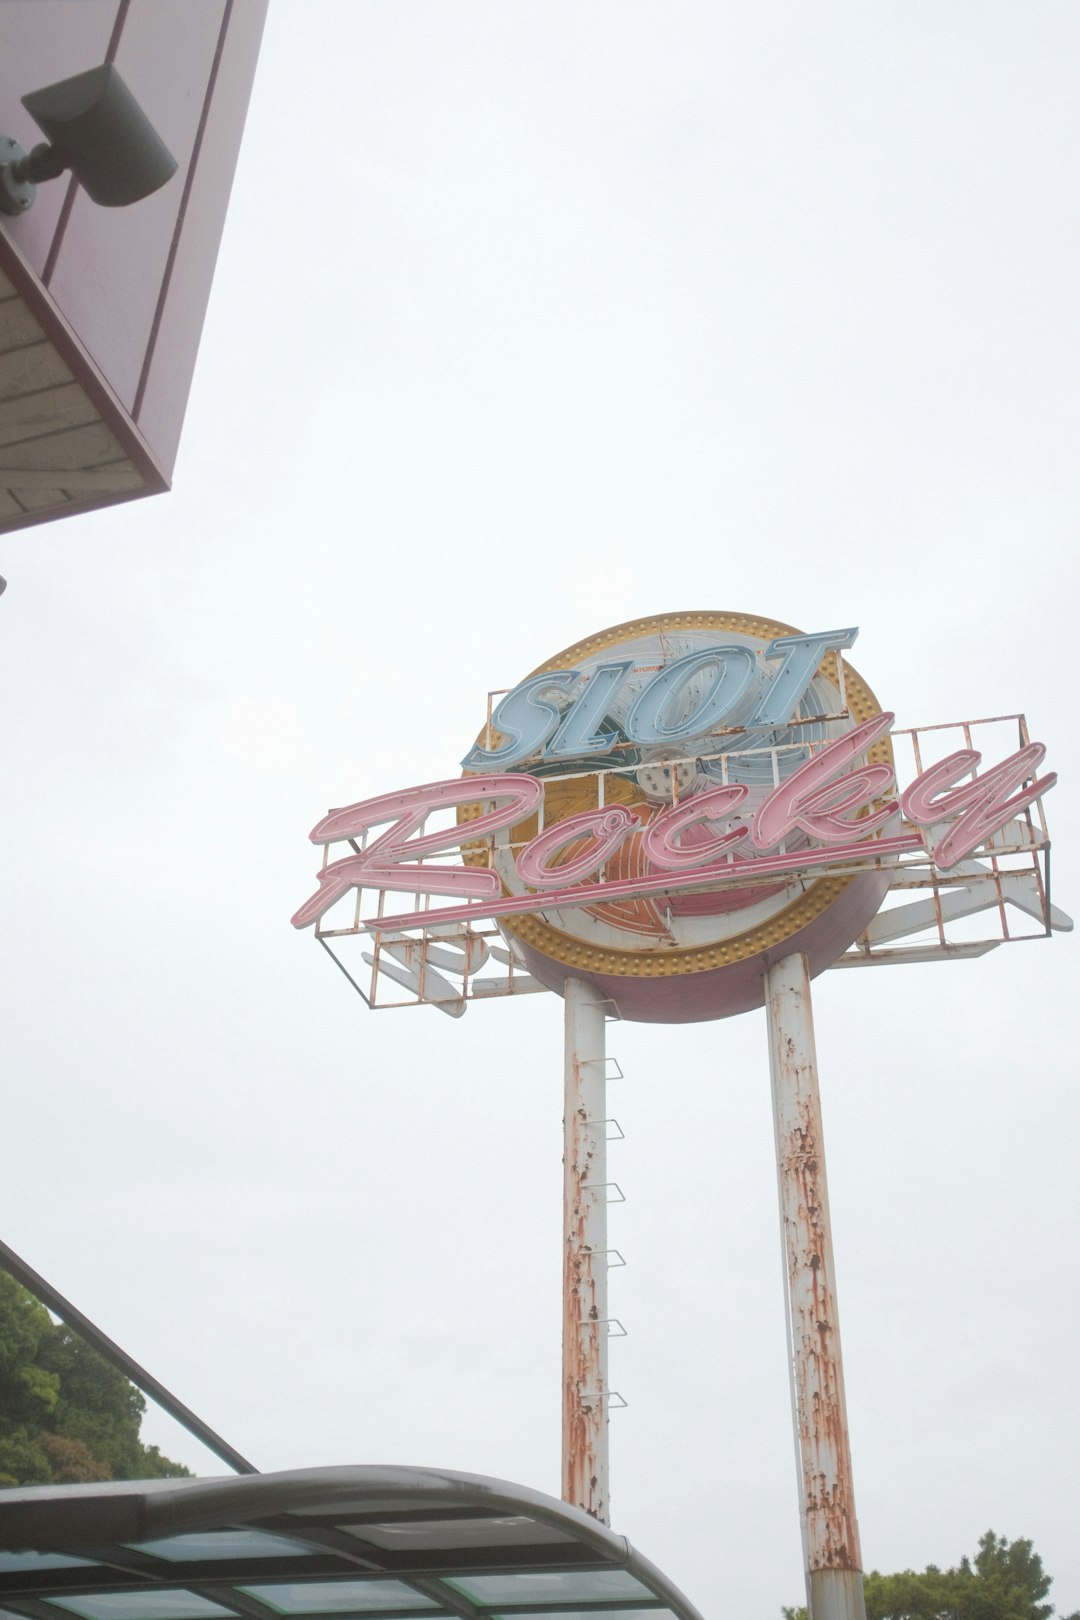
{"points": [[101, 308]]}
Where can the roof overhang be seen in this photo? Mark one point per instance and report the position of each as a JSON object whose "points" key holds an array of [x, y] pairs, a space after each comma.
{"points": [[66, 443], [376, 1543]]}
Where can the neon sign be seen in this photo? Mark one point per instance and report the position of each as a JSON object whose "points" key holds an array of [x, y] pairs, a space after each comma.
{"points": [[822, 798], [673, 798], [533, 723]]}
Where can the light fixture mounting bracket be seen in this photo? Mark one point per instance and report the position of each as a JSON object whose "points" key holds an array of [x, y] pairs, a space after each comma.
{"points": [[16, 195]]}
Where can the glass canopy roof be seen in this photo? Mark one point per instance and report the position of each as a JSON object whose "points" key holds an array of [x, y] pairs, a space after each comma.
{"points": [[321, 1544]]}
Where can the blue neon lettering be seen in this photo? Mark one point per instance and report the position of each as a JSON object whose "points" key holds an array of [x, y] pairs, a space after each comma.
{"points": [[576, 735], [646, 723], [802, 655], [532, 723], [526, 720]]}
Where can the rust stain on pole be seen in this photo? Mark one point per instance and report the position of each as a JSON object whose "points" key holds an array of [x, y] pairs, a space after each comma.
{"points": [[827, 1493], [585, 1328]]}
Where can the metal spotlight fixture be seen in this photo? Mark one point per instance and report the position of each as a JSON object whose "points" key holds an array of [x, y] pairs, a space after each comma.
{"points": [[95, 128]]}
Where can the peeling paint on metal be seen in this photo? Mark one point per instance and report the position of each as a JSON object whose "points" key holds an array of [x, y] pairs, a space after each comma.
{"points": [[831, 1527], [585, 1312]]}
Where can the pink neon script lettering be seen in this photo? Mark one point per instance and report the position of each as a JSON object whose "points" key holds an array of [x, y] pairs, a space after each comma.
{"points": [[821, 798], [605, 830], [659, 843], [391, 862], [813, 801], [355, 872], [674, 883], [982, 805]]}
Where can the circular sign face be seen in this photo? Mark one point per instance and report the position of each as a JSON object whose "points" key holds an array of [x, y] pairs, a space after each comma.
{"points": [[640, 720]]}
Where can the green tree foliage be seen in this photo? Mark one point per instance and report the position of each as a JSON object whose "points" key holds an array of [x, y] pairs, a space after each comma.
{"points": [[1004, 1581], [66, 1415]]}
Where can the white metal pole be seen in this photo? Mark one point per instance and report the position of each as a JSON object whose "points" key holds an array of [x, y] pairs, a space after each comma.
{"points": [[585, 1259], [830, 1528]]}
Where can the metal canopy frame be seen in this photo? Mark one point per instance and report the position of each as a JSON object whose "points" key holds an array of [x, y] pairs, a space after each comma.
{"points": [[119, 1358], [361, 1543]]}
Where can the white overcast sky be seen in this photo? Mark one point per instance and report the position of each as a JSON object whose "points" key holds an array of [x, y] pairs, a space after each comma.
{"points": [[531, 317]]}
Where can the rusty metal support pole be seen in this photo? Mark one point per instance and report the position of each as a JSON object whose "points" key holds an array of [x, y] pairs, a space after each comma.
{"points": [[830, 1529], [585, 1260]]}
